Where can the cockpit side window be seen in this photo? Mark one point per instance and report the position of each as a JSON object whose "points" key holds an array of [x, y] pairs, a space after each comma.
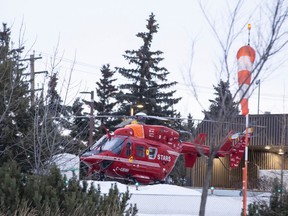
{"points": [[128, 148], [152, 153]]}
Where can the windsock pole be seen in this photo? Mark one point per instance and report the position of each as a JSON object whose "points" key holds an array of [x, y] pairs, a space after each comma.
{"points": [[245, 169], [245, 173], [245, 57]]}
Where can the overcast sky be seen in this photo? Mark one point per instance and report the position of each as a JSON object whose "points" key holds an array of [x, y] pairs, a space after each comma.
{"points": [[95, 32]]}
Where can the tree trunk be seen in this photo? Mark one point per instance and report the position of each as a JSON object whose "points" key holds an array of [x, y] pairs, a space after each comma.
{"points": [[206, 186]]}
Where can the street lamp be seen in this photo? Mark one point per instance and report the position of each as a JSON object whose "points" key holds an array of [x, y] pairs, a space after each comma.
{"points": [[258, 83], [91, 117], [138, 105]]}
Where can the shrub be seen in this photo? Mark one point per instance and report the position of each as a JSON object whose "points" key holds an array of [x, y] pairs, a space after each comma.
{"points": [[24, 194], [277, 203]]}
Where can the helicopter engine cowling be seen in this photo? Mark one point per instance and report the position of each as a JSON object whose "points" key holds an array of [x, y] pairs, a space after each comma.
{"points": [[124, 131]]}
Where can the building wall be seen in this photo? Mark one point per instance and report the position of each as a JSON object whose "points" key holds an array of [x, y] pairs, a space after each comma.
{"points": [[223, 177], [268, 130]]}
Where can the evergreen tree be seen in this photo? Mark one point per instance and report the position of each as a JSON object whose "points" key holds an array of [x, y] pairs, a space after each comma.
{"points": [[277, 203], [178, 174], [186, 131], [185, 128], [51, 195], [149, 85], [28, 134], [223, 105], [15, 118], [106, 91], [190, 124], [222, 110], [80, 126], [275, 195]]}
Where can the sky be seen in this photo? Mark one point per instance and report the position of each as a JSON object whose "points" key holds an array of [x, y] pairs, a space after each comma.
{"points": [[83, 36]]}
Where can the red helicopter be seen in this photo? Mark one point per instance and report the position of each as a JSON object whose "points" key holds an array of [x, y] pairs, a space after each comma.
{"points": [[147, 153]]}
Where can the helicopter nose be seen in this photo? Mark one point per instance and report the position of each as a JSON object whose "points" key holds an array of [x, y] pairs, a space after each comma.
{"points": [[88, 159], [89, 153]]}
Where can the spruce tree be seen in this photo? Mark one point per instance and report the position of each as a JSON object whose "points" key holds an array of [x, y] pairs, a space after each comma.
{"points": [[223, 105], [106, 91], [148, 80], [80, 126], [15, 118], [186, 133], [105, 103]]}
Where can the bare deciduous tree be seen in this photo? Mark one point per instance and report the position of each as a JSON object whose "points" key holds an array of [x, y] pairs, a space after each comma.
{"points": [[271, 40]]}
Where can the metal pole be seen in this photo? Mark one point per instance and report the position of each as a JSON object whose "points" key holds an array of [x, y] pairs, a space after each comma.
{"points": [[91, 117], [245, 170], [32, 79], [91, 127], [258, 83]]}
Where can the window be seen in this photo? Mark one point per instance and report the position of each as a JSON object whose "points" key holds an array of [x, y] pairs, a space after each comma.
{"points": [[128, 149], [114, 144], [140, 151], [99, 143], [152, 153]]}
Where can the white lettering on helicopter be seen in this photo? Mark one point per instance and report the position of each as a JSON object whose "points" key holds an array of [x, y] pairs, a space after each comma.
{"points": [[164, 157], [151, 132], [122, 169]]}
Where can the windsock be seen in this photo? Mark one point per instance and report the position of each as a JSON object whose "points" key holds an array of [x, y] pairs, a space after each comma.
{"points": [[245, 57]]}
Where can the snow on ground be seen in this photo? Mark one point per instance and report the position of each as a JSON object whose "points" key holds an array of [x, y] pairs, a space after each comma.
{"points": [[172, 200]]}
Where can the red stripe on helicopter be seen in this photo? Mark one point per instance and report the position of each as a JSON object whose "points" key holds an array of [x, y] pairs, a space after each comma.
{"points": [[124, 160]]}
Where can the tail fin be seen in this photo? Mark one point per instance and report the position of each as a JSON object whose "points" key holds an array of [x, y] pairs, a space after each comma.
{"points": [[192, 150], [226, 147], [237, 151], [200, 139]]}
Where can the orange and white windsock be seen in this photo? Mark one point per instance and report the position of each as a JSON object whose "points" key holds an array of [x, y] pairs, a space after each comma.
{"points": [[245, 57]]}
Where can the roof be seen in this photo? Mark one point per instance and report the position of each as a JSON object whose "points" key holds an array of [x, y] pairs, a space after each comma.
{"points": [[269, 129]]}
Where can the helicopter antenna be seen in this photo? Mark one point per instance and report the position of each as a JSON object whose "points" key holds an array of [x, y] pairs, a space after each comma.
{"points": [[107, 132]]}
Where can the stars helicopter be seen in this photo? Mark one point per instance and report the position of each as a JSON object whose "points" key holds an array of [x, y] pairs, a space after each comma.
{"points": [[137, 152]]}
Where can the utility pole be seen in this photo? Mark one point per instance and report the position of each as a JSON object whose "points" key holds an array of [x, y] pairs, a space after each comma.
{"points": [[32, 76]]}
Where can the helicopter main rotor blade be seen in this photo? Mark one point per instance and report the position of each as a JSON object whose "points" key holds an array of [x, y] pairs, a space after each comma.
{"points": [[110, 116], [124, 123], [156, 117]]}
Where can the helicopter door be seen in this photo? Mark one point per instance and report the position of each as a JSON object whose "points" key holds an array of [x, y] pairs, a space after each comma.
{"points": [[128, 151]]}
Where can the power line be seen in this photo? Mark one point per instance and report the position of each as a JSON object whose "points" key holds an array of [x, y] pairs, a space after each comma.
{"points": [[183, 85], [72, 61]]}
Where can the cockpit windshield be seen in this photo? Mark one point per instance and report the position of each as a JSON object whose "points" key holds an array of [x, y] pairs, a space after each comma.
{"points": [[99, 142], [115, 144]]}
